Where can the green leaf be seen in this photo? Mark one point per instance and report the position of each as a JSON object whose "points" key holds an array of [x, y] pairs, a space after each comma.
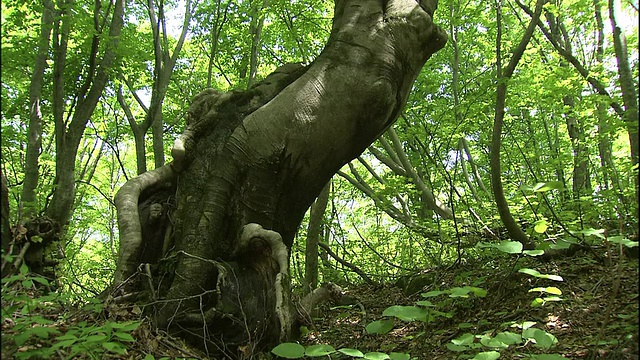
{"points": [[509, 338], [21, 338], [289, 350], [351, 352], [399, 356], [43, 332], [533, 252], [510, 247], [433, 293], [380, 327], [622, 240], [319, 350], [537, 302], [124, 336], [592, 232], [547, 357], [524, 325], [115, 347], [406, 313], [550, 290], [540, 226], [376, 356], [549, 185], [425, 303], [130, 326], [487, 355], [537, 274], [456, 348], [149, 357], [96, 338], [464, 339], [544, 339], [492, 342], [64, 343]]}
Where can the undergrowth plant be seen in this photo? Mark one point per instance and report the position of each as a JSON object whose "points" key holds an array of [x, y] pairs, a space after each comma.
{"points": [[37, 326]]}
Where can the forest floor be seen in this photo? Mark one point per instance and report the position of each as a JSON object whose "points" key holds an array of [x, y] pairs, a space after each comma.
{"points": [[596, 319]]}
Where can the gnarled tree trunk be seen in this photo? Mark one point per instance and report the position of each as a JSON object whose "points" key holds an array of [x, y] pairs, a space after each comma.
{"points": [[255, 160]]}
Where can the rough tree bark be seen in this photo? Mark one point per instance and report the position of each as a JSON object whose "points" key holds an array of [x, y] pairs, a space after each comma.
{"points": [[255, 160]]}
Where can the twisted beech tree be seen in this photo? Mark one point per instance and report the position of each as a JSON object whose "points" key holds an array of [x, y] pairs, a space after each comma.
{"points": [[255, 160]]}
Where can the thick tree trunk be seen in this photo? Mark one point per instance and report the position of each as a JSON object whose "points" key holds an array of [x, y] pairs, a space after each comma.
{"points": [[255, 160]]}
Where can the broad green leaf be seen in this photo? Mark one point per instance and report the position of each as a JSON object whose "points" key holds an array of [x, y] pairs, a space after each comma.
{"points": [[319, 350], [43, 332], [64, 343], [622, 240], [425, 303], [376, 356], [592, 232], [509, 338], [351, 352], [533, 252], [131, 326], [289, 350], [21, 338], [464, 339], [537, 274], [492, 342], [537, 302], [96, 338], [487, 355], [380, 327], [510, 247], [406, 313], [540, 226], [456, 348], [124, 336], [549, 185], [544, 339], [399, 356], [550, 290], [433, 293], [149, 357]]}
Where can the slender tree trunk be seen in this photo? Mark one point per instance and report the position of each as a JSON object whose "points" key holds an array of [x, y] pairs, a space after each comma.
{"points": [[257, 23], [34, 132], [496, 140], [629, 93], [316, 218], [68, 137]]}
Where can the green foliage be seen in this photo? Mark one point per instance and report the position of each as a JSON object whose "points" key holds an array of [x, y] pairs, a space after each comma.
{"points": [[297, 351], [36, 329]]}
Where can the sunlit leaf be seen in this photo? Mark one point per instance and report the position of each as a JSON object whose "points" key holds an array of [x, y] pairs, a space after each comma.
{"points": [[549, 185], [376, 356], [319, 350], [351, 352], [510, 247], [487, 355], [379, 327], [540, 226], [406, 313], [289, 350]]}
